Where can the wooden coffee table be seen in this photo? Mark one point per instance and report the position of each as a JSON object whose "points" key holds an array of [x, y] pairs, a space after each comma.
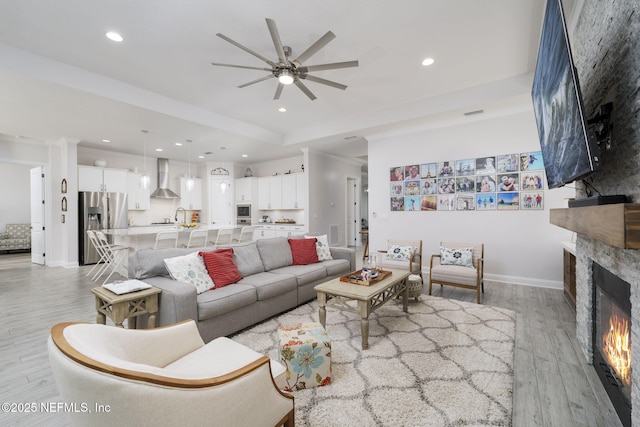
{"points": [[337, 294]]}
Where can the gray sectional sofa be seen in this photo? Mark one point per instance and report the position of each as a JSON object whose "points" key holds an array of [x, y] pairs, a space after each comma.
{"points": [[270, 285]]}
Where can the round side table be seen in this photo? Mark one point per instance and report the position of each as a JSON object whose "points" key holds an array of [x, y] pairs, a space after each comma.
{"points": [[414, 284]]}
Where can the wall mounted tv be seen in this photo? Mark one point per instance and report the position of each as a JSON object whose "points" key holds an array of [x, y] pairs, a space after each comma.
{"points": [[569, 150]]}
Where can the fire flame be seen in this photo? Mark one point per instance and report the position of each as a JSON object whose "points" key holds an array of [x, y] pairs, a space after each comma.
{"points": [[616, 345]]}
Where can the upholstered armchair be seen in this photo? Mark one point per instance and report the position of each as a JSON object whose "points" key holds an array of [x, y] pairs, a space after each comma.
{"points": [[402, 255], [458, 264], [165, 376]]}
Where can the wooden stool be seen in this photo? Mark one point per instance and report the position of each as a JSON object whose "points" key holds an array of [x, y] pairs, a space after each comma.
{"points": [[126, 306]]}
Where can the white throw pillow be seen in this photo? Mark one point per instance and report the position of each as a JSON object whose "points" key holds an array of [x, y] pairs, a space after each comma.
{"points": [[190, 269], [456, 256], [400, 253], [322, 247]]}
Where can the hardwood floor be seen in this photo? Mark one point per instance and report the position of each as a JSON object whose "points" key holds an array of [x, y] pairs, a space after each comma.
{"points": [[553, 385]]}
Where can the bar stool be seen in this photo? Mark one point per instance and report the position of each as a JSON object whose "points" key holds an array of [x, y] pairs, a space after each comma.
{"points": [[225, 236], [166, 239], [114, 255], [198, 239]]}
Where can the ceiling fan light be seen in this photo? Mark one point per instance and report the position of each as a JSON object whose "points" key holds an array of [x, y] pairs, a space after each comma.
{"points": [[285, 77]]}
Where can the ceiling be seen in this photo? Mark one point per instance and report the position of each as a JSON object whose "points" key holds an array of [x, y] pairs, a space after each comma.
{"points": [[60, 77]]}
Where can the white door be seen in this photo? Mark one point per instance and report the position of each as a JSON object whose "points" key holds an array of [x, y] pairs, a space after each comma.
{"points": [[352, 213], [221, 202], [37, 216]]}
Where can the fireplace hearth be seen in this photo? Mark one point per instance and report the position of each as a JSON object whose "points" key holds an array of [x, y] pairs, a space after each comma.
{"points": [[612, 338]]}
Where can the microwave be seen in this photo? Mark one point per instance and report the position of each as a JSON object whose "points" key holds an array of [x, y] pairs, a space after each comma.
{"points": [[243, 211]]}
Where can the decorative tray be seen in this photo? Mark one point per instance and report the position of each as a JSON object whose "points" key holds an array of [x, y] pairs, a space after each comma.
{"points": [[356, 277]]}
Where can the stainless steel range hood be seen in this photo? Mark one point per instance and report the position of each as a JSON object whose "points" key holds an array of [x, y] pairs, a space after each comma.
{"points": [[163, 192]]}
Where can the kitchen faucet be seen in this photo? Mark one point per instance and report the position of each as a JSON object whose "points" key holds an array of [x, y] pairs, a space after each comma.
{"points": [[184, 215]]}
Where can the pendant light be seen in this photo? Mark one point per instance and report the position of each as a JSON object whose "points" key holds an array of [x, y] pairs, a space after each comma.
{"points": [[190, 182], [145, 180]]}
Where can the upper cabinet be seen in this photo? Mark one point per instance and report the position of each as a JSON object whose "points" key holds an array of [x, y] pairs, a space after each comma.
{"points": [[92, 178], [294, 191], [191, 200], [246, 189], [270, 192], [138, 199]]}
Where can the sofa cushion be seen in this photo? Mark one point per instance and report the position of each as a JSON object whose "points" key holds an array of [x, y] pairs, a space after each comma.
{"points": [[150, 262], [247, 258], [304, 274], [269, 284], [190, 269], [275, 252], [223, 300], [303, 251], [337, 267], [221, 267]]}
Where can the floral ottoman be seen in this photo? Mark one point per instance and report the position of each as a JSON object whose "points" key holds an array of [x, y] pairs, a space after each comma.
{"points": [[305, 351]]}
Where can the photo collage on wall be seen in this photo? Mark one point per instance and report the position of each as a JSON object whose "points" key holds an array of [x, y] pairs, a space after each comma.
{"points": [[503, 182]]}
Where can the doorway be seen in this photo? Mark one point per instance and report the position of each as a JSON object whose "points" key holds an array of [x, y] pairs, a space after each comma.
{"points": [[353, 212]]}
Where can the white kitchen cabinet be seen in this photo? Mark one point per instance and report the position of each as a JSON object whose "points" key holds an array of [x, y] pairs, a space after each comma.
{"points": [[191, 200], [138, 198], [265, 232], [270, 192], [246, 189], [92, 178], [294, 191]]}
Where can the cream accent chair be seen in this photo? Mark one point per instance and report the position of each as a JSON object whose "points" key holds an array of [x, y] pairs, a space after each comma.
{"points": [[164, 377], [456, 275], [413, 264]]}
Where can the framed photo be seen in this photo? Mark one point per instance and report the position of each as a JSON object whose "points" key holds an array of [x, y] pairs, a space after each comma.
{"points": [[531, 161], [397, 204], [428, 186], [429, 203], [446, 168], [465, 184], [428, 170], [412, 188], [397, 189], [486, 166], [532, 180], [532, 201], [412, 172], [486, 184], [446, 185], [486, 202], [446, 202], [508, 182], [465, 167], [508, 163], [412, 204], [508, 201], [396, 173], [465, 202]]}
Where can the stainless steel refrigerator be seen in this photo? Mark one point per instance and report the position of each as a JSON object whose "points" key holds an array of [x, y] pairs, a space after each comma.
{"points": [[98, 211]]}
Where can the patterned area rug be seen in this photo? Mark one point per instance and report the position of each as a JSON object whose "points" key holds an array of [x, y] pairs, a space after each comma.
{"points": [[445, 363]]}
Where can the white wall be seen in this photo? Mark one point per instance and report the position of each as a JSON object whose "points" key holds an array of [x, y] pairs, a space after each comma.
{"points": [[14, 187], [520, 246]]}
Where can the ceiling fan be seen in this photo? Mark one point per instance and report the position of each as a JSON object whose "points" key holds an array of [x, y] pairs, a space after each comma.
{"points": [[289, 71]]}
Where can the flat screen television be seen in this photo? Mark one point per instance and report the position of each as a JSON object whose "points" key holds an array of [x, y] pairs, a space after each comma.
{"points": [[569, 149]]}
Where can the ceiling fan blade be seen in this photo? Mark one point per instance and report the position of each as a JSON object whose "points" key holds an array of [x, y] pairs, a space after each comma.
{"points": [[241, 66], [246, 49], [278, 91], [323, 81], [303, 88], [314, 48], [261, 79], [332, 66], [277, 43]]}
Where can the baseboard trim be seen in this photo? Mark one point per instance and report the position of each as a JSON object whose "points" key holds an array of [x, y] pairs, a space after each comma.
{"points": [[513, 280]]}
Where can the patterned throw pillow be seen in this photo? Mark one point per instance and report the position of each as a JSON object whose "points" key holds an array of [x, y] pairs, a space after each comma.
{"points": [[400, 253], [456, 256], [190, 269], [322, 247]]}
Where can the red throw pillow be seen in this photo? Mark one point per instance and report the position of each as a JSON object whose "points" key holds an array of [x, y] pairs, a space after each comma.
{"points": [[220, 266], [303, 251]]}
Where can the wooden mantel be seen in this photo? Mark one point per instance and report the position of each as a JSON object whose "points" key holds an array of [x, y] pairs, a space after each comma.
{"points": [[617, 225]]}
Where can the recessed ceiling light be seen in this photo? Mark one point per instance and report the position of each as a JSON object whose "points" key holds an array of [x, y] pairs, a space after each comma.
{"points": [[282, 110], [113, 36], [223, 148], [106, 140], [158, 149], [179, 144], [428, 61], [201, 156], [245, 155]]}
